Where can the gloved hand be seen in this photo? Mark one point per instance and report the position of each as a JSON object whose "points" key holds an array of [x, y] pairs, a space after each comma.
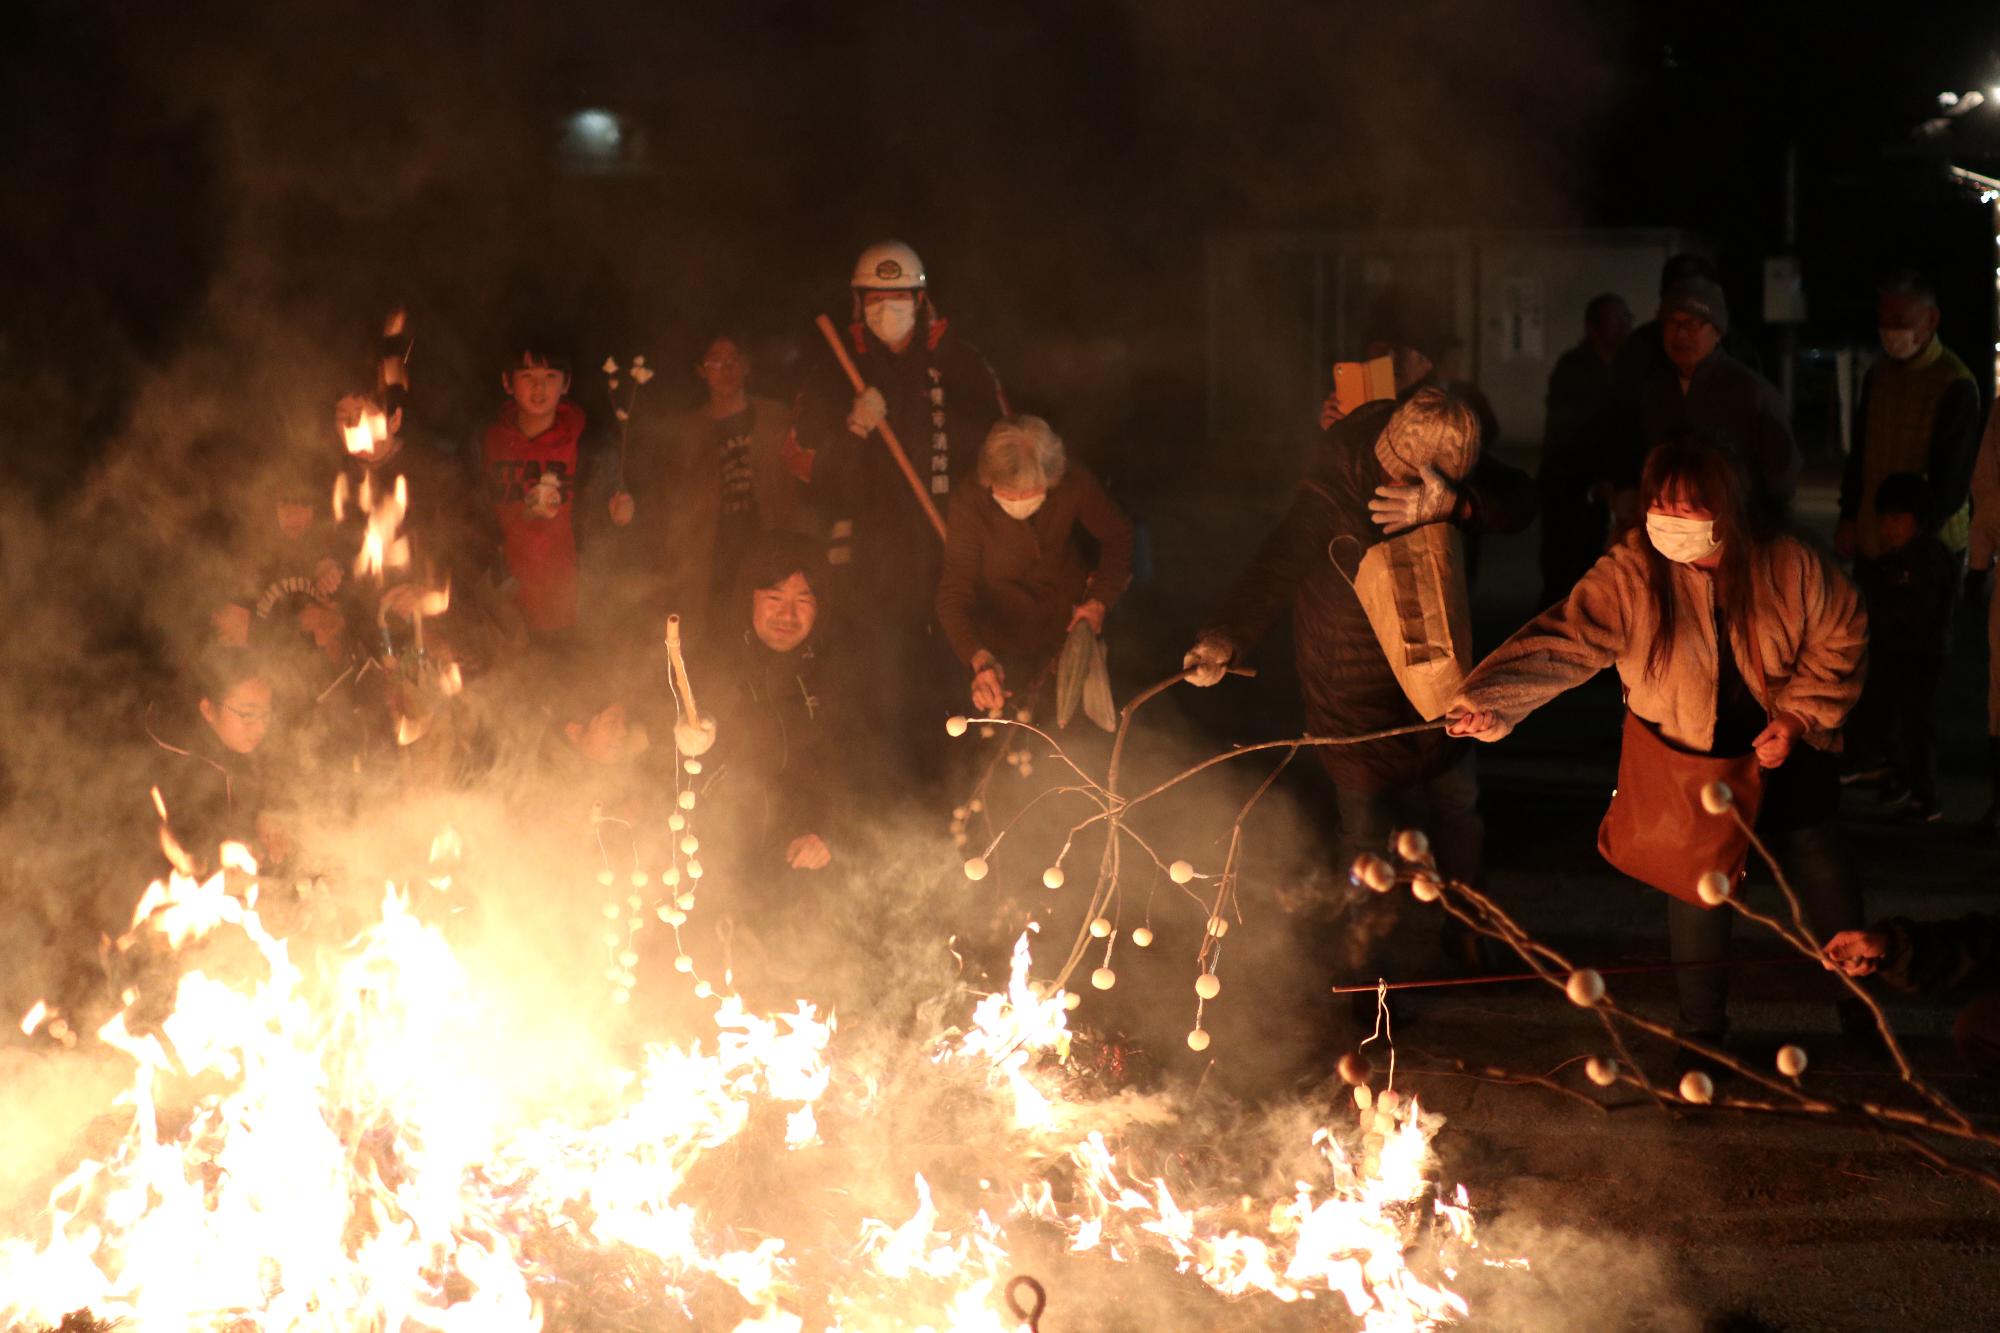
{"points": [[868, 411], [1207, 661], [1399, 508], [692, 740]]}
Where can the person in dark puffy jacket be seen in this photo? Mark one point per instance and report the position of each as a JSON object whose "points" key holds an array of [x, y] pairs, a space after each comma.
{"points": [[1347, 681]]}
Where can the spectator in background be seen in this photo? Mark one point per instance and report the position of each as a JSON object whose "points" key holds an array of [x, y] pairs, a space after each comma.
{"points": [[1015, 578], [1983, 547], [213, 777], [718, 483], [1702, 388], [532, 463], [1645, 351], [1909, 586], [1919, 414], [1575, 520]]}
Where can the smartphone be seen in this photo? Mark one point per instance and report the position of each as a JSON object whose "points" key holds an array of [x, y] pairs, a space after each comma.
{"points": [[1356, 383]]}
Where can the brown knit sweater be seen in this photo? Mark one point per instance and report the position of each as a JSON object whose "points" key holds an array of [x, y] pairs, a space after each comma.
{"points": [[1809, 637]]}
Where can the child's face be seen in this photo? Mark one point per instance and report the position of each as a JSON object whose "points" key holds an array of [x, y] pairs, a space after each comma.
{"points": [[243, 717], [723, 368], [1896, 530], [602, 739], [536, 390]]}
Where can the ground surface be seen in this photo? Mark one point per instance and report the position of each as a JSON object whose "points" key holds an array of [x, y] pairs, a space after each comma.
{"points": [[1634, 1219]]}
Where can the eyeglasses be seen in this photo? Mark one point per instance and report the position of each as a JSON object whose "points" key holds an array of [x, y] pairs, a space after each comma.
{"points": [[249, 717], [724, 363]]}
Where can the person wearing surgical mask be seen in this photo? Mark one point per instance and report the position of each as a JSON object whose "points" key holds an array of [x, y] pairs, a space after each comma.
{"points": [[1731, 638], [1016, 579], [1919, 412], [934, 391]]}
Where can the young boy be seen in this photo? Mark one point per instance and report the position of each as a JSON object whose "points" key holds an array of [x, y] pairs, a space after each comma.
{"points": [[213, 776], [531, 460], [1909, 589]]}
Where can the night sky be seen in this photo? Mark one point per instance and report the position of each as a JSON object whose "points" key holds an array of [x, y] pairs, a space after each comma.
{"points": [[229, 193]]}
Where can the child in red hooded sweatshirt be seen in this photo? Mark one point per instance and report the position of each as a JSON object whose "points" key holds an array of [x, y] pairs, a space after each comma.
{"points": [[532, 463]]}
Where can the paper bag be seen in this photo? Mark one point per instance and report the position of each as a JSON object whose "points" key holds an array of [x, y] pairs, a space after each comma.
{"points": [[1412, 587]]}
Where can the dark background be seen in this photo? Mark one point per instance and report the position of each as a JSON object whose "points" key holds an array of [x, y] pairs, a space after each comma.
{"points": [[207, 204]]}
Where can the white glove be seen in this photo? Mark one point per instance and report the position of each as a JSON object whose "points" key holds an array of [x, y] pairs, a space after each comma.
{"points": [[868, 411], [693, 740], [1207, 661], [1399, 508]]}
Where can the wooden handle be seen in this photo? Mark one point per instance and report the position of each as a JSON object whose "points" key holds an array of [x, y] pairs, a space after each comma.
{"points": [[888, 432], [679, 666]]}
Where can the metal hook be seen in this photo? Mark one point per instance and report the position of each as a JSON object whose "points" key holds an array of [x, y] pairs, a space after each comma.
{"points": [[1032, 1316]]}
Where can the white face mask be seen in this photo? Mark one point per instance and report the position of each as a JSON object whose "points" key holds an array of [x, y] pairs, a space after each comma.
{"points": [[1022, 508], [891, 321], [1684, 540], [1901, 344]]}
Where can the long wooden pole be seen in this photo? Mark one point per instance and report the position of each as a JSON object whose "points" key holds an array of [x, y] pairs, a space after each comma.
{"points": [[917, 487]]}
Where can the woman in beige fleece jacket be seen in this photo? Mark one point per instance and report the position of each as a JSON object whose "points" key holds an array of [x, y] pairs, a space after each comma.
{"points": [[1730, 637]]}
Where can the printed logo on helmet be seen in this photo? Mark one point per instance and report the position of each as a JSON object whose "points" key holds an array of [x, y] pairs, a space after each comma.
{"points": [[888, 269]]}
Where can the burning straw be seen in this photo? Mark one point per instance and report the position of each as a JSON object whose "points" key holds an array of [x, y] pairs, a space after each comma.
{"points": [[324, 1129]]}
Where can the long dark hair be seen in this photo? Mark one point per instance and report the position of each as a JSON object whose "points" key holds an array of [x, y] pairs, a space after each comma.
{"points": [[1691, 467]]}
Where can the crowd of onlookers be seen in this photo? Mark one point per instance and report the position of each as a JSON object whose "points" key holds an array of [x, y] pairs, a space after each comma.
{"points": [[896, 545]]}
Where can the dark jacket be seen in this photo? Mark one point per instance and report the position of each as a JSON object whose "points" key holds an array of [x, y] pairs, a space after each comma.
{"points": [[942, 398], [779, 756], [678, 494], [1734, 404], [1909, 594], [1580, 388], [1942, 956], [212, 794], [1009, 584], [1348, 685]]}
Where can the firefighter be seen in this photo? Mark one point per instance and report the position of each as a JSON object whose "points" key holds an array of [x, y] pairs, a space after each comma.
{"points": [[939, 397]]}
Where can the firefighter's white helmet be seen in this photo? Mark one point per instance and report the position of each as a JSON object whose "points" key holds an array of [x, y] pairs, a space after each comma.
{"points": [[888, 266]]}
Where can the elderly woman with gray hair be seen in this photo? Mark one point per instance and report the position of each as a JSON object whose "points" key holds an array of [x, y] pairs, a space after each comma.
{"points": [[1016, 575]]}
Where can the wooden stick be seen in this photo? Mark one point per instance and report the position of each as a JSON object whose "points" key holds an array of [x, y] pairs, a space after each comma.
{"points": [[679, 665], [1623, 970], [888, 432]]}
